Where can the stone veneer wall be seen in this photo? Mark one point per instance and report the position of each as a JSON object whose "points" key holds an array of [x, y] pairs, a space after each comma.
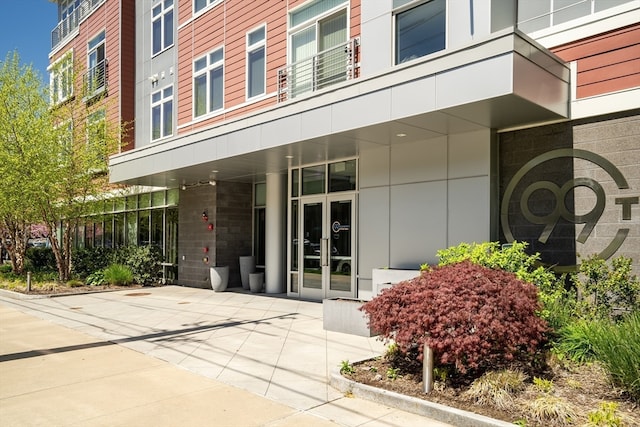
{"points": [[615, 138], [515, 150], [229, 208]]}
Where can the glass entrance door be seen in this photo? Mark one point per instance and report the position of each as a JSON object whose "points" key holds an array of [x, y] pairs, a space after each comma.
{"points": [[328, 240]]}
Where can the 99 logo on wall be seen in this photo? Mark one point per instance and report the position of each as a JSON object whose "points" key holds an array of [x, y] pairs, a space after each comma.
{"points": [[557, 195]]}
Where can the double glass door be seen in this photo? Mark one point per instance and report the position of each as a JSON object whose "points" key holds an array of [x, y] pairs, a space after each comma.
{"points": [[328, 239]]}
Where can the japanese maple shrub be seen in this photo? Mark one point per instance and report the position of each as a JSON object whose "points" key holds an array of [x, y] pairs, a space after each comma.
{"points": [[471, 316]]}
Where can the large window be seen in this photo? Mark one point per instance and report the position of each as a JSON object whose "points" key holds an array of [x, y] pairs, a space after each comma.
{"points": [[318, 32], [96, 64], [535, 15], [208, 83], [61, 79], [256, 62], [162, 113], [162, 26], [420, 30], [198, 5]]}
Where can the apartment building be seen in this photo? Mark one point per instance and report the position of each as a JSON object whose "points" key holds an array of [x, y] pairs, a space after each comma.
{"points": [[92, 61], [331, 137]]}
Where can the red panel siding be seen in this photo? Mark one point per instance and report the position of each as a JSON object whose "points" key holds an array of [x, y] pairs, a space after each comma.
{"points": [[606, 63], [227, 24], [120, 54]]}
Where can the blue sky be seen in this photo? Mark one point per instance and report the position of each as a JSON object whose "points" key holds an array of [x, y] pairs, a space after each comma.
{"points": [[26, 26]]}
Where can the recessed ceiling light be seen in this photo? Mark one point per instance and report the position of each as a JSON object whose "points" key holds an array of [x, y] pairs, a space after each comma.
{"points": [[401, 135], [289, 157]]}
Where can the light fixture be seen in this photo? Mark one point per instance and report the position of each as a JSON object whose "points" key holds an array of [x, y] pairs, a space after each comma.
{"points": [[401, 135], [205, 216], [183, 187], [153, 78], [212, 182]]}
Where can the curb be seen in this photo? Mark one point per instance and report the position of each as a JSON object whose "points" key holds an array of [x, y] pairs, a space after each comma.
{"points": [[436, 411], [18, 295]]}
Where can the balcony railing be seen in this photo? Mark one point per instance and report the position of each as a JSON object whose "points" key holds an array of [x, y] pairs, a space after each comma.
{"points": [[95, 80], [68, 25], [320, 71]]}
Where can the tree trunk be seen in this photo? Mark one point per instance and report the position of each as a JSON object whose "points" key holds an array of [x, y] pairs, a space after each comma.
{"points": [[15, 237]]}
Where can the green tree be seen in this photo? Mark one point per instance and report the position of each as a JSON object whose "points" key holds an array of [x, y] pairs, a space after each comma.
{"points": [[58, 151], [24, 134]]}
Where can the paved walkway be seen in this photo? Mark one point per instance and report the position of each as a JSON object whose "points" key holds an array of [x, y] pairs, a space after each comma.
{"points": [[113, 359]]}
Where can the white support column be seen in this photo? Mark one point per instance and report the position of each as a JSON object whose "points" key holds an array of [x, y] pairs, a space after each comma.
{"points": [[275, 233]]}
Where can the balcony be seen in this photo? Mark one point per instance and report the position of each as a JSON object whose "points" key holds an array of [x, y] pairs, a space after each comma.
{"points": [[95, 80], [322, 70], [70, 24]]}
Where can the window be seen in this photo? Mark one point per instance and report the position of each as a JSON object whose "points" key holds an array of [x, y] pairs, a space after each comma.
{"points": [[68, 10], [318, 34], [259, 222], [96, 64], [535, 15], [198, 5], [162, 26], [420, 30], [96, 137], [256, 62], [162, 113], [208, 83], [61, 79]]}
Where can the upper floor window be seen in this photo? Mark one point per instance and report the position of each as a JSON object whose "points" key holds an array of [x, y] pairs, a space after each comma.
{"points": [[66, 8], [97, 134], [256, 62], [61, 79], [318, 33], [96, 64], [420, 30], [162, 113], [198, 5], [208, 83], [162, 26], [535, 15]]}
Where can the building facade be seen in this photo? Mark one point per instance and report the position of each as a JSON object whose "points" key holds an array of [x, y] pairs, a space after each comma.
{"points": [[331, 137]]}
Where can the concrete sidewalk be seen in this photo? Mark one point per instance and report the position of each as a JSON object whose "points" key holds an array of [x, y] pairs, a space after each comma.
{"points": [[114, 359]]}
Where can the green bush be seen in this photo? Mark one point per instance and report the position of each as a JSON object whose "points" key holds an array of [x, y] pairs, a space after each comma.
{"points": [[118, 274], [89, 260], [5, 268], [617, 346], [96, 278], [144, 262], [607, 290], [574, 341], [557, 302], [41, 259]]}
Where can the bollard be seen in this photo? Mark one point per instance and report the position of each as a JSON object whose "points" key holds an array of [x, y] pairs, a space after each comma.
{"points": [[28, 281], [427, 369]]}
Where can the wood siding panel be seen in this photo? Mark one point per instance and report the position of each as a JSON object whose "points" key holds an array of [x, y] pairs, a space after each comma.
{"points": [[606, 63], [227, 24]]}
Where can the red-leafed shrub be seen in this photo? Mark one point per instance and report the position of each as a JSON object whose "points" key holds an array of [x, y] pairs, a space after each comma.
{"points": [[471, 316]]}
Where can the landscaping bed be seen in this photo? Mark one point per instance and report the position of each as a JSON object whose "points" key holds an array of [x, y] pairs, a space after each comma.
{"points": [[581, 388]]}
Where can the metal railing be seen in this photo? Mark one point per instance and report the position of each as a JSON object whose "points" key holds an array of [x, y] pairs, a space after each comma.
{"points": [[95, 80], [320, 71], [68, 25]]}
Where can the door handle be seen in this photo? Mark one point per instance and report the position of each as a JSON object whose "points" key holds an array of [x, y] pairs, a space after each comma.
{"points": [[324, 252]]}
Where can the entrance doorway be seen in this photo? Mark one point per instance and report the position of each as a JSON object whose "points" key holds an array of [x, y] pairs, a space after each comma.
{"points": [[328, 240]]}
